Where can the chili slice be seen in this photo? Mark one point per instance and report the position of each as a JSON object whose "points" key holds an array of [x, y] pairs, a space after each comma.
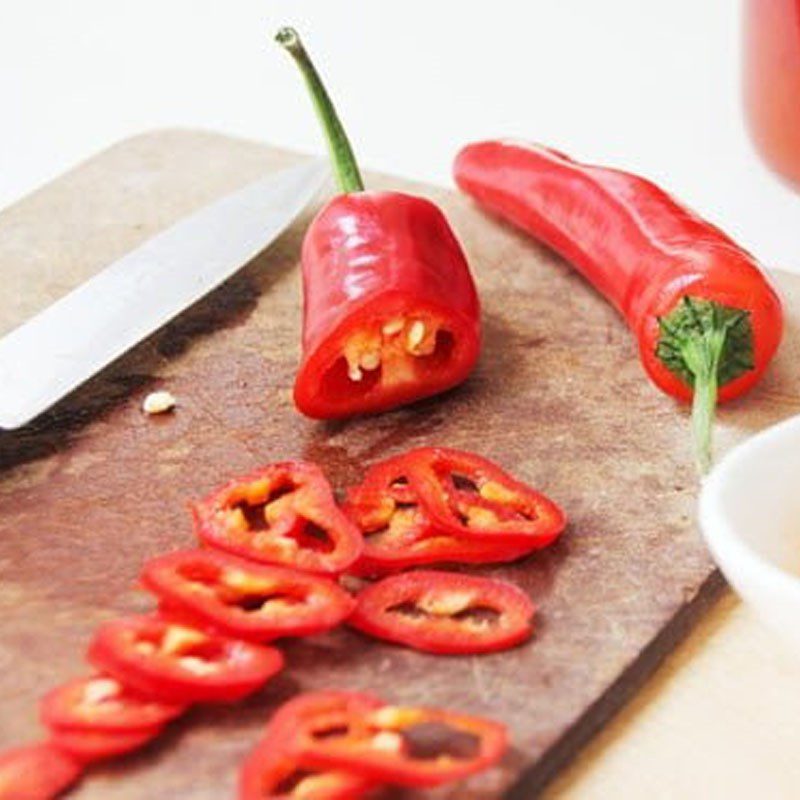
{"points": [[176, 663], [407, 746], [271, 772], [257, 602], [36, 772], [438, 505], [102, 703], [284, 513], [87, 746], [445, 612], [390, 310]]}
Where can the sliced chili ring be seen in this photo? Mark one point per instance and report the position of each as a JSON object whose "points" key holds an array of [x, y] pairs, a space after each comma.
{"points": [[36, 772], [471, 496], [176, 663], [396, 505], [417, 747], [257, 602], [445, 612], [284, 513], [90, 746], [102, 703], [271, 772]]}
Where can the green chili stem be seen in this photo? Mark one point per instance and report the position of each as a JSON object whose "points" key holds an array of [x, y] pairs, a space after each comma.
{"points": [[702, 355], [706, 345], [344, 162]]}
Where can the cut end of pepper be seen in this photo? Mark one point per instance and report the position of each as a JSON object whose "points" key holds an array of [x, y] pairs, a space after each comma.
{"points": [[288, 37], [707, 345]]}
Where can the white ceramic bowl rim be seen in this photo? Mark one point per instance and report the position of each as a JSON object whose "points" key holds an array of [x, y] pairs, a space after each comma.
{"points": [[722, 537]]}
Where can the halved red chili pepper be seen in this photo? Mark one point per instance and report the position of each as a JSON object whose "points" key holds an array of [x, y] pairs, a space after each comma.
{"points": [[87, 746], [36, 772], [390, 313], [407, 746], [445, 612], [102, 703], [434, 505], [176, 663], [257, 602], [271, 772], [701, 307], [284, 513]]}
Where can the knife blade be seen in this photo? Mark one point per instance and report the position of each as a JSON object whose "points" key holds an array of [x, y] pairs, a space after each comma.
{"points": [[65, 344]]}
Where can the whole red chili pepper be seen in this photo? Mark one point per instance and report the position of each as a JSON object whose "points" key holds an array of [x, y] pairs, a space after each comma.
{"points": [[706, 317], [391, 314]]}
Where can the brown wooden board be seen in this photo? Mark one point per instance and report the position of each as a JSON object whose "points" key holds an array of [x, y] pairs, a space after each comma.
{"points": [[92, 489]]}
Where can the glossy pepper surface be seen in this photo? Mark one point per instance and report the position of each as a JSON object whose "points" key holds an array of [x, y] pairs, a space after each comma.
{"points": [[391, 314], [445, 612], [706, 317]]}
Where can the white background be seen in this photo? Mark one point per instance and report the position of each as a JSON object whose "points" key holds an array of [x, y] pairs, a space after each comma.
{"points": [[649, 85]]}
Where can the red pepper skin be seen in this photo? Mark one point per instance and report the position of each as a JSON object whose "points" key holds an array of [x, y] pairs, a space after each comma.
{"points": [[445, 612], [638, 246], [149, 654], [241, 599], [273, 772], [88, 746], [369, 257], [36, 772], [100, 703], [412, 513], [359, 733], [284, 513]]}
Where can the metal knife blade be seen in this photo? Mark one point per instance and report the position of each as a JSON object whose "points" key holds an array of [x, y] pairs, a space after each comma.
{"points": [[58, 349]]}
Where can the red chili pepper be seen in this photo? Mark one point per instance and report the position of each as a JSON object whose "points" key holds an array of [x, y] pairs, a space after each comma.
{"points": [[399, 745], [257, 602], [284, 513], [444, 612], [101, 703], [434, 505], [87, 746], [36, 772], [179, 664], [706, 317], [391, 313]]}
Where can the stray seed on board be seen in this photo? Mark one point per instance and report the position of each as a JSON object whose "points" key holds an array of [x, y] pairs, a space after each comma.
{"points": [[158, 402]]}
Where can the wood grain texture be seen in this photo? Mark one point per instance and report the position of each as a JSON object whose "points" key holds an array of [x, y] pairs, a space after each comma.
{"points": [[94, 488]]}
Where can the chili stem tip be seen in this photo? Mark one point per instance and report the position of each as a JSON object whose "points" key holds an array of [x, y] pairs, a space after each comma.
{"points": [[289, 38]]}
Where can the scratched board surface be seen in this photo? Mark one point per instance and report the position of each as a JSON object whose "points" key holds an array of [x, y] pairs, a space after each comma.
{"points": [[93, 488]]}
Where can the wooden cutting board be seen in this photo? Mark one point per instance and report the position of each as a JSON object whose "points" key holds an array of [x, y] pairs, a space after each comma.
{"points": [[94, 488]]}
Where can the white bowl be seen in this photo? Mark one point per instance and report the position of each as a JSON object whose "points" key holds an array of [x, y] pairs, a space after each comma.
{"points": [[750, 519]]}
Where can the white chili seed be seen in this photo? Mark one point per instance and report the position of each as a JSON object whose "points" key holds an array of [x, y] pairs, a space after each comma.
{"points": [[158, 402], [415, 335]]}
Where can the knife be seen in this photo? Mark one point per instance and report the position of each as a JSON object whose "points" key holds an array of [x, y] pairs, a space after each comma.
{"points": [[58, 349]]}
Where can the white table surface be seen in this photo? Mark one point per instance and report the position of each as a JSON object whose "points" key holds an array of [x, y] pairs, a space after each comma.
{"points": [[651, 86]]}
